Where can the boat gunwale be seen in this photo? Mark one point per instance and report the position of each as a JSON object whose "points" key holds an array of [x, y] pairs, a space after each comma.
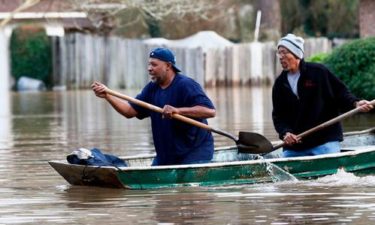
{"points": [[225, 164]]}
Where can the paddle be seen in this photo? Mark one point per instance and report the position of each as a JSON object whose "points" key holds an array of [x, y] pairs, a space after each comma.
{"points": [[319, 127], [247, 142]]}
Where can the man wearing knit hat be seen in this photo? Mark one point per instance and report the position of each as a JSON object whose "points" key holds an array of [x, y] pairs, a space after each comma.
{"points": [[175, 142], [305, 95]]}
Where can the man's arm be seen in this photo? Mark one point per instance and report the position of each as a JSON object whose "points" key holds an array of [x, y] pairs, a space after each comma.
{"points": [[119, 105], [192, 112]]}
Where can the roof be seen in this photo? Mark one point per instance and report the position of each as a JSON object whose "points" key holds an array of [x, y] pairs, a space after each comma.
{"points": [[49, 11], [42, 6]]}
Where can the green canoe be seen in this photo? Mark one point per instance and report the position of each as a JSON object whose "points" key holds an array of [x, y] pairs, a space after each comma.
{"points": [[228, 167]]}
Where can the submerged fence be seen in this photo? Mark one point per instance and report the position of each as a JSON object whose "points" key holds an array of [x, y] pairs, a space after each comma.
{"points": [[122, 63]]}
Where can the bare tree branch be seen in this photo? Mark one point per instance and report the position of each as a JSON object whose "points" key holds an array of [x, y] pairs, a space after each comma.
{"points": [[103, 14]]}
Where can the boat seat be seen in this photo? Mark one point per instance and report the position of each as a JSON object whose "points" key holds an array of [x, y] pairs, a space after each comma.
{"points": [[356, 148]]}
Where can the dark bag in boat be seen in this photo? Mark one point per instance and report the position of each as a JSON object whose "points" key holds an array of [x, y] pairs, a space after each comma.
{"points": [[94, 157]]}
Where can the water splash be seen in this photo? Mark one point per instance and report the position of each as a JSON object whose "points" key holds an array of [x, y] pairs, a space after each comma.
{"points": [[343, 178], [277, 174]]}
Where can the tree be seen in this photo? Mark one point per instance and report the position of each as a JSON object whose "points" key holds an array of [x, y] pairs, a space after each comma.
{"points": [[331, 18], [271, 19], [106, 15]]}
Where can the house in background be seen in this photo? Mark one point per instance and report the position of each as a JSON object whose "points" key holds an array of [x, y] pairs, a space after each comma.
{"points": [[56, 16]]}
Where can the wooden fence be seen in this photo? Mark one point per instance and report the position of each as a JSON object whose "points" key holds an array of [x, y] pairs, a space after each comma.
{"points": [[80, 59]]}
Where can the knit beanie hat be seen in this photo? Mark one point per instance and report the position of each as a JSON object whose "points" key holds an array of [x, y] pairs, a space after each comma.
{"points": [[293, 43]]}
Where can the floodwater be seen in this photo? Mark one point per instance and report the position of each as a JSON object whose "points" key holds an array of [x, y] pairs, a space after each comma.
{"points": [[38, 127]]}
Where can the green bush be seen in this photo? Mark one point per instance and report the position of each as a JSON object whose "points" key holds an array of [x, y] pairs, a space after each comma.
{"points": [[31, 54], [317, 58], [354, 64]]}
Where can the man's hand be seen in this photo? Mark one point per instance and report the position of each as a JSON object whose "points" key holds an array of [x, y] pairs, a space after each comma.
{"points": [[291, 139], [99, 89], [168, 111], [364, 105]]}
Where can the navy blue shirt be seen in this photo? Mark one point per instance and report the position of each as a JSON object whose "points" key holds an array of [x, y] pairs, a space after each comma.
{"points": [[177, 142]]}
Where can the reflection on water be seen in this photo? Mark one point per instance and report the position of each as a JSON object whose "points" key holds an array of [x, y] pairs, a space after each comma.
{"points": [[242, 109], [5, 112], [39, 127], [5, 120], [300, 204]]}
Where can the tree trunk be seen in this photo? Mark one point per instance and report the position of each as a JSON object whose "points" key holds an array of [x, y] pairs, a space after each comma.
{"points": [[270, 27]]}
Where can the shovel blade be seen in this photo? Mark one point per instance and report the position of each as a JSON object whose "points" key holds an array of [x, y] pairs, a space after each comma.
{"points": [[253, 143]]}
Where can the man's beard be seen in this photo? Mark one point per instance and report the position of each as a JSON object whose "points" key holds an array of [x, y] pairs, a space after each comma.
{"points": [[158, 79], [155, 80]]}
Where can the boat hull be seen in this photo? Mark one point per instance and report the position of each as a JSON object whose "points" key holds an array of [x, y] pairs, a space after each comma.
{"points": [[87, 175], [228, 168]]}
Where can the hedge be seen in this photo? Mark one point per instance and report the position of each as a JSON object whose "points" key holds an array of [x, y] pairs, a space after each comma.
{"points": [[31, 54], [354, 64]]}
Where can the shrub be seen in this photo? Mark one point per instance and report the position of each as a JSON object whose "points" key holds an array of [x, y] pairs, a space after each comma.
{"points": [[354, 64], [31, 54], [318, 58]]}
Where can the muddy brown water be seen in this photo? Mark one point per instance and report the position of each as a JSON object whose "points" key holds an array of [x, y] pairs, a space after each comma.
{"points": [[45, 126]]}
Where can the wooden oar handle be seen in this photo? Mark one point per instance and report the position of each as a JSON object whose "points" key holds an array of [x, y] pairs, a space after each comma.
{"points": [[334, 120], [327, 123], [159, 110], [135, 101]]}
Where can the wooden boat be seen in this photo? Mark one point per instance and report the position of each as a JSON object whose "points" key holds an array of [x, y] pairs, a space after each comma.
{"points": [[228, 167]]}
